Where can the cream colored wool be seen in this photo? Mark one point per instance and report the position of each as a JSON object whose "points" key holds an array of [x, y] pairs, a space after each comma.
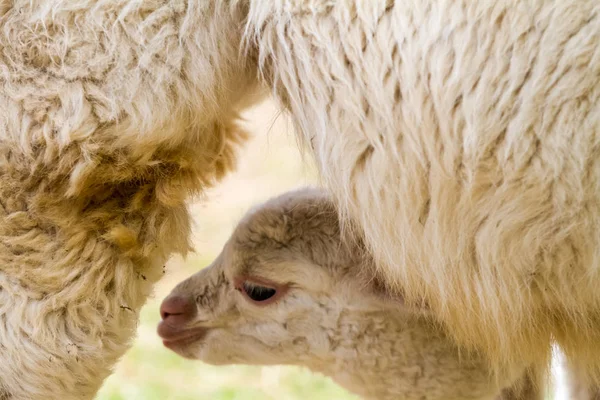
{"points": [[331, 317], [111, 114], [459, 136], [463, 138]]}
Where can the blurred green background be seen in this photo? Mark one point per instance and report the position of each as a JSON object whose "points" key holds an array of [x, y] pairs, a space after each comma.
{"points": [[269, 165]]}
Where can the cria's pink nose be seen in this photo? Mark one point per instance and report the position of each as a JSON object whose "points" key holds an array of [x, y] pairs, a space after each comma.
{"points": [[177, 310]]}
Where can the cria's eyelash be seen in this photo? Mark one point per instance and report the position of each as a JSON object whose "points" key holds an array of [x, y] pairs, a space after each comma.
{"points": [[258, 293]]}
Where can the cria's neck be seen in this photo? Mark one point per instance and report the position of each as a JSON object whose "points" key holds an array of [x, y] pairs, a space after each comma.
{"points": [[386, 355]]}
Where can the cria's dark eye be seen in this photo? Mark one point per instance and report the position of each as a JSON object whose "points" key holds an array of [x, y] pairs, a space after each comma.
{"points": [[258, 293]]}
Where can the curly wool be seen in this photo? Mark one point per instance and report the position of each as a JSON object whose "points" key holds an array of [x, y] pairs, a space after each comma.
{"points": [[111, 114]]}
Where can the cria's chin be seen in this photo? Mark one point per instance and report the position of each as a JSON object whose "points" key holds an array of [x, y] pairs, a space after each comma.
{"points": [[210, 356], [190, 351]]}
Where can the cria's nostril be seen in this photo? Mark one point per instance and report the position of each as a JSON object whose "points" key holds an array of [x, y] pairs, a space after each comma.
{"points": [[177, 309]]}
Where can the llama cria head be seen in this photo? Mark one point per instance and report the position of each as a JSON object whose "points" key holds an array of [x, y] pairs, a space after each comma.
{"points": [[287, 289], [266, 297]]}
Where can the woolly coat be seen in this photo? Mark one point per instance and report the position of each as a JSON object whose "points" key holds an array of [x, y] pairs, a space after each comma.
{"points": [[460, 137]]}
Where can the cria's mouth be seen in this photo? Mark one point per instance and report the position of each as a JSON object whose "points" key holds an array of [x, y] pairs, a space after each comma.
{"points": [[173, 337]]}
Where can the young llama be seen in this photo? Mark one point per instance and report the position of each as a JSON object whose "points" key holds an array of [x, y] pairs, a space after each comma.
{"points": [[287, 288]]}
